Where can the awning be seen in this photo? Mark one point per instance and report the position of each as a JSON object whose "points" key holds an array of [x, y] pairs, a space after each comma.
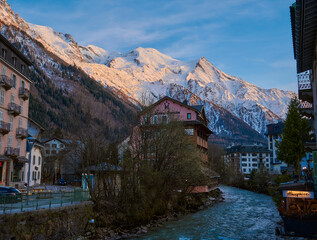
{"points": [[4, 158], [23, 159]]}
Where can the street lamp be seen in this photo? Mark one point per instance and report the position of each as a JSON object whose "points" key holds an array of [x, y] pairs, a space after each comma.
{"points": [[30, 144]]}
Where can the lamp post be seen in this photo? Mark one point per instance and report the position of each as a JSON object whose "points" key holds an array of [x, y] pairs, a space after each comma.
{"points": [[30, 145]]}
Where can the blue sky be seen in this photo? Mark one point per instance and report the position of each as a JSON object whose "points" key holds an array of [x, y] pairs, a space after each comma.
{"points": [[250, 39]]}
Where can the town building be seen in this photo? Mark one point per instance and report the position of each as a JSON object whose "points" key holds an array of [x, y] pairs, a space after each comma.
{"points": [[36, 149], [194, 121], [192, 116], [14, 104], [304, 30], [274, 132], [245, 158], [62, 159]]}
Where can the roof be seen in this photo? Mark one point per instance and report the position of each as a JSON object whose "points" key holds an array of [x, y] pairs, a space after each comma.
{"points": [[16, 51], [196, 108], [36, 124], [65, 141], [304, 29], [275, 129], [247, 149]]}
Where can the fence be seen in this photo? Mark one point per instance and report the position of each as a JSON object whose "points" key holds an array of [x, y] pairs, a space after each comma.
{"points": [[41, 200]]}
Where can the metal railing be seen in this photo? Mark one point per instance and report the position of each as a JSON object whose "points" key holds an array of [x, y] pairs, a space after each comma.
{"points": [[42, 200], [10, 151], [14, 108], [4, 127], [22, 132], [5, 81], [24, 93], [304, 80]]}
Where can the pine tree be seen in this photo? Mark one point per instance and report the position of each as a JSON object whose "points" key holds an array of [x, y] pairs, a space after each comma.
{"points": [[295, 134]]}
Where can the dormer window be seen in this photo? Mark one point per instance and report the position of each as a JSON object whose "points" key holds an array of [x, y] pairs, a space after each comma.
{"points": [[14, 61], [189, 116], [146, 120], [4, 53], [22, 68]]}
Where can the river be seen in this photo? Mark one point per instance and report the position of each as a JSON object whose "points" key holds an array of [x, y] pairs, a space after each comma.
{"points": [[243, 215]]}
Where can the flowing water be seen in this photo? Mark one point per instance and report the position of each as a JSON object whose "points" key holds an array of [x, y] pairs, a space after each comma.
{"points": [[243, 215]]}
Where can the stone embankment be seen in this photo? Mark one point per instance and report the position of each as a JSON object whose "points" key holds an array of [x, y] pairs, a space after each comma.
{"points": [[195, 202]]}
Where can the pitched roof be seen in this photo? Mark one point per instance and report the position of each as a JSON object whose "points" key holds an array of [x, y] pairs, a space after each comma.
{"points": [[196, 108]]}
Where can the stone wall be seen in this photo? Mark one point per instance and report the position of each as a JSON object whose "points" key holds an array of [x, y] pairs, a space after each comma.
{"points": [[61, 223]]}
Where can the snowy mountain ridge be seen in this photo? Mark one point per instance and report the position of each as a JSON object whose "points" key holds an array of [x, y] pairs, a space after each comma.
{"points": [[147, 72]]}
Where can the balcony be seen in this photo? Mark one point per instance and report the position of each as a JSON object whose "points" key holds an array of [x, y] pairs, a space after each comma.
{"points": [[306, 109], [304, 86], [24, 93], [5, 82], [4, 127], [22, 133], [12, 152], [14, 109]]}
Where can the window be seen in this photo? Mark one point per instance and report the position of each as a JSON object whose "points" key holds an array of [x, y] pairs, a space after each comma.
{"points": [[20, 122], [38, 175], [164, 119], [14, 61], [2, 96], [189, 116], [33, 160], [21, 105], [243, 159], [244, 170], [4, 70], [11, 123], [4, 53], [54, 145], [39, 160], [10, 141], [244, 165], [0, 144], [254, 165], [22, 68], [1, 116], [189, 131], [12, 98], [33, 174], [146, 120], [19, 144], [14, 80], [47, 151], [61, 145], [155, 119]]}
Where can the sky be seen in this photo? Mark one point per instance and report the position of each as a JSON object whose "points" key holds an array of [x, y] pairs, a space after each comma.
{"points": [[250, 39]]}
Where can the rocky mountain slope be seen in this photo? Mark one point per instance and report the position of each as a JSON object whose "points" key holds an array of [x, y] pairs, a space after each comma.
{"points": [[232, 105]]}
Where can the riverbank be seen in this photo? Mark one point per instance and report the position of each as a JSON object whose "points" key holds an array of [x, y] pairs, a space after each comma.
{"points": [[191, 203]]}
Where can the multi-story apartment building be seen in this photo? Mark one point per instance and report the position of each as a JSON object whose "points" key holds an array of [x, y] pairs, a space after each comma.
{"points": [[193, 117], [194, 122], [247, 158], [274, 132], [14, 96]]}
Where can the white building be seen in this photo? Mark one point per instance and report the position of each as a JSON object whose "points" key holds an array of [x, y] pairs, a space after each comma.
{"points": [[36, 163], [274, 132], [246, 158], [37, 153]]}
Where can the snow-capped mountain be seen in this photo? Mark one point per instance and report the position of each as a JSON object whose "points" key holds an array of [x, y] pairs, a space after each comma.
{"points": [[145, 73]]}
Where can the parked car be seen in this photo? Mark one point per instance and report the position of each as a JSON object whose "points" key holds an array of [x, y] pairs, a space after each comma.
{"points": [[62, 182], [10, 195]]}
